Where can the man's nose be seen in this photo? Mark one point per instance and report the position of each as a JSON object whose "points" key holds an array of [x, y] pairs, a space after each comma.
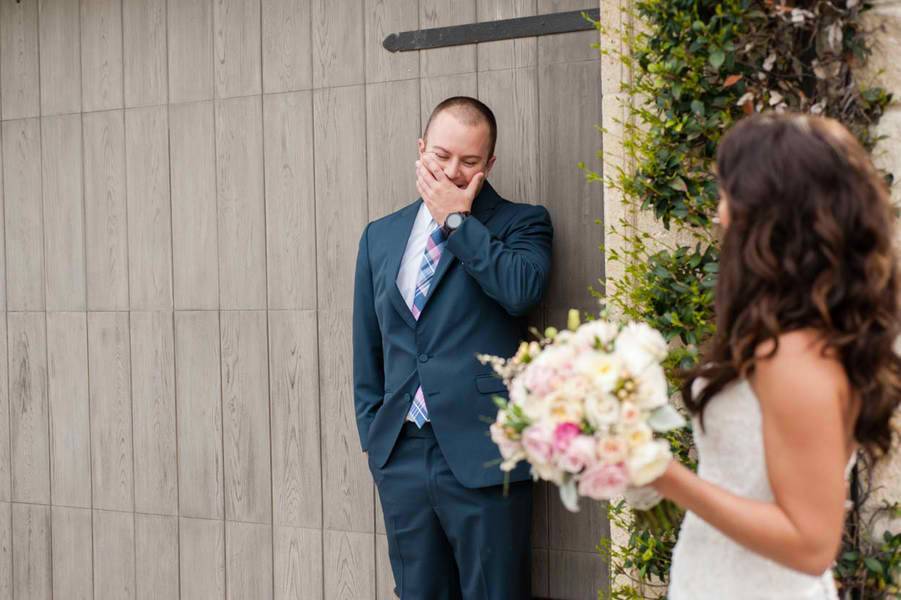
{"points": [[452, 169]]}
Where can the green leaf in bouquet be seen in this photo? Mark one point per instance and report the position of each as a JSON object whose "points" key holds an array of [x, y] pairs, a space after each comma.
{"points": [[666, 418]]}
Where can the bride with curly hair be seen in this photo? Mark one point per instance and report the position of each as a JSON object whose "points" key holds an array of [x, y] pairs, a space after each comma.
{"points": [[801, 374]]}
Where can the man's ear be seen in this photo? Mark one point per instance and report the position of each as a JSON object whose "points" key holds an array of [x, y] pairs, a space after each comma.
{"points": [[490, 164]]}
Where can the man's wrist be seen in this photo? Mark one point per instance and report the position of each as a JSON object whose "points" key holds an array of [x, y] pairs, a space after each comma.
{"points": [[454, 221]]}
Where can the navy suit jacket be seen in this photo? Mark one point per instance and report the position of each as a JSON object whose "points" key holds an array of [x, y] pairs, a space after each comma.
{"points": [[493, 270]]}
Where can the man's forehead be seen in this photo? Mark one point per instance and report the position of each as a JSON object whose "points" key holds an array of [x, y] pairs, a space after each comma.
{"points": [[447, 129]]}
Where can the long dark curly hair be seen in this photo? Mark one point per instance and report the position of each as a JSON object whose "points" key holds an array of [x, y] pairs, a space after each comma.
{"points": [[809, 245]]}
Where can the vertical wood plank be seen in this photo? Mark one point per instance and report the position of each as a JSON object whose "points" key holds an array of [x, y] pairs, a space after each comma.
{"points": [[287, 63], [6, 551], [384, 577], [106, 238], [24, 227], [73, 567], [337, 42], [190, 31], [346, 480], [392, 123], [153, 402], [569, 97], [568, 47], [114, 555], [156, 557], [19, 95], [202, 559], [513, 96], [248, 569], [5, 441], [579, 531], [435, 89], [237, 49], [507, 54], [194, 214], [239, 179], [576, 575], [29, 420], [60, 53], [294, 397], [101, 54], [384, 17], [109, 376], [290, 201], [341, 205], [540, 573], [70, 424], [298, 563], [541, 491], [245, 406], [144, 40], [2, 229], [443, 13], [349, 565], [31, 573], [149, 219], [199, 406], [63, 212]]}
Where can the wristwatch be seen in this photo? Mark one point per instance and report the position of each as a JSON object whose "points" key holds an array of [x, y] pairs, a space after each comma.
{"points": [[453, 222]]}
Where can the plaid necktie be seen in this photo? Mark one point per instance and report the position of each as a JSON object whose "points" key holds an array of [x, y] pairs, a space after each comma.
{"points": [[419, 414]]}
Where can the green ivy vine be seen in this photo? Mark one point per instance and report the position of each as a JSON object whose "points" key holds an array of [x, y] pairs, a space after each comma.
{"points": [[697, 67]]}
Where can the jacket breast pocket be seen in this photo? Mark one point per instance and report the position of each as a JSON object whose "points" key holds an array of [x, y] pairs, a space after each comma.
{"points": [[489, 384]]}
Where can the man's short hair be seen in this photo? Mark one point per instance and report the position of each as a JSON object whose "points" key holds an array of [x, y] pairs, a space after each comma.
{"points": [[469, 111]]}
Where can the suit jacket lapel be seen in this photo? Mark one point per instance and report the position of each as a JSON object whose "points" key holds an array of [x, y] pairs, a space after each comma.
{"points": [[482, 207], [398, 243]]}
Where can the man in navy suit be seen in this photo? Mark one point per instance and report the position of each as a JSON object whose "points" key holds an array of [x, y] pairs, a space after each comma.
{"points": [[451, 275]]}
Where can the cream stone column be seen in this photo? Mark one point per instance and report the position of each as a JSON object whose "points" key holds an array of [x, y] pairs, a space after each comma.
{"points": [[884, 67]]}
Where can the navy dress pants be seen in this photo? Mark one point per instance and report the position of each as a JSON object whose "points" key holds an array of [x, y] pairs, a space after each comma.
{"points": [[448, 542]]}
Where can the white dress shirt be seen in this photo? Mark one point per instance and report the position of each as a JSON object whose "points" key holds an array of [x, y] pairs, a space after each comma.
{"points": [[409, 266]]}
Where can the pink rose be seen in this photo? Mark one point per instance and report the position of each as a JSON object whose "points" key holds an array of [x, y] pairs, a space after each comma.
{"points": [[603, 481], [564, 434], [581, 453], [538, 441], [539, 379]]}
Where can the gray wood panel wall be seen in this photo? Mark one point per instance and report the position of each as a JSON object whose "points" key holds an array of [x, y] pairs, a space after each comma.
{"points": [[183, 185]]}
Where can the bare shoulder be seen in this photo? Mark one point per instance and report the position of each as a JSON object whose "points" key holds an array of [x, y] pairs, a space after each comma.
{"points": [[799, 375]]}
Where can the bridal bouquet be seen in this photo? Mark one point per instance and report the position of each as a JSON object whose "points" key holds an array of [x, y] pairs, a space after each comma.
{"points": [[584, 406]]}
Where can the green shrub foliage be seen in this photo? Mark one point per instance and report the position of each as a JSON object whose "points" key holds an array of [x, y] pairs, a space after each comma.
{"points": [[696, 68]]}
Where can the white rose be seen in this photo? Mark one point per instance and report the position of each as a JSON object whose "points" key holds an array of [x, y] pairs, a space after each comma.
{"points": [[629, 414], [612, 449], [648, 462], [591, 331], [564, 409], [639, 435], [547, 472], [642, 498], [639, 345], [602, 370], [651, 388], [601, 410]]}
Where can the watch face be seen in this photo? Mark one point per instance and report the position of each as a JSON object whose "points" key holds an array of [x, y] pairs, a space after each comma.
{"points": [[454, 220]]}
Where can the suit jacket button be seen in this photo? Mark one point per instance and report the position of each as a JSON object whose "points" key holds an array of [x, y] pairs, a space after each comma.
{"points": [[423, 358]]}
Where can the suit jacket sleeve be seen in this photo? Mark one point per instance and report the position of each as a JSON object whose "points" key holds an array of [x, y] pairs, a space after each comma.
{"points": [[368, 372], [513, 271]]}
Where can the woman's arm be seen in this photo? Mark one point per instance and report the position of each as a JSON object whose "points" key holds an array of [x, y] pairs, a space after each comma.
{"points": [[803, 398]]}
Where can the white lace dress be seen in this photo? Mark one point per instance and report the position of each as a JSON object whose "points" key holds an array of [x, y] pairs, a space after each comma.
{"points": [[707, 565]]}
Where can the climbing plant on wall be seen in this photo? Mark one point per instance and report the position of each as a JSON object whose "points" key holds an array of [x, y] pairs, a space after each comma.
{"points": [[697, 67]]}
